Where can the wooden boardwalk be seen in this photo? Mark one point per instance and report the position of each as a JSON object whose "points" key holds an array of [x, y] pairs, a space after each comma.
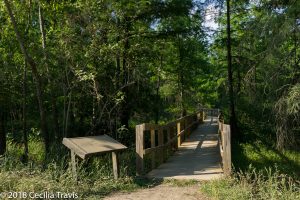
{"points": [[197, 158]]}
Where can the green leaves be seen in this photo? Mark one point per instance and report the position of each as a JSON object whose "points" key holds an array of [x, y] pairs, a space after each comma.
{"points": [[293, 100]]}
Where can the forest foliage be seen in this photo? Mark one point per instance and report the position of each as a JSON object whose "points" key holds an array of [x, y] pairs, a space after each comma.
{"points": [[80, 68]]}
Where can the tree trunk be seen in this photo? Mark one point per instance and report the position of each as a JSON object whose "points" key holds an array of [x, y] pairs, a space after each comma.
{"points": [[24, 120], [24, 110], [53, 99], [66, 131], [36, 75], [125, 110], [182, 96], [2, 135], [233, 122], [181, 79], [157, 92]]}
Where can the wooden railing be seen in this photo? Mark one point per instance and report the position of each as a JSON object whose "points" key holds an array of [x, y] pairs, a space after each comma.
{"points": [[155, 143], [224, 139], [225, 145], [211, 112]]}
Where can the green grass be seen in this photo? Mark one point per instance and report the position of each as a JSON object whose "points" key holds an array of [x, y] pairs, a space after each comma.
{"points": [[261, 172], [180, 183], [28, 180], [95, 175], [252, 184], [260, 156]]}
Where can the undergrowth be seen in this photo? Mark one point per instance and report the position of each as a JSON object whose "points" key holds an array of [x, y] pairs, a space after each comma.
{"points": [[271, 175], [260, 170], [264, 184], [95, 177]]}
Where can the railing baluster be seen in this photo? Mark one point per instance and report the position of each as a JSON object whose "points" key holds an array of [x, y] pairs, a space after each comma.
{"points": [[160, 143], [140, 146], [152, 132], [178, 134], [169, 147]]}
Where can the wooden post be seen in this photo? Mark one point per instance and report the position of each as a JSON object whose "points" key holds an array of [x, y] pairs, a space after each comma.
{"points": [[227, 150], [222, 124], [189, 130], [139, 131], [224, 143], [160, 143], [178, 134], [153, 153], [185, 132], [183, 128], [73, 162], [187, 124], [173, 134], [199, 119], [169, 147], [115, 163]]}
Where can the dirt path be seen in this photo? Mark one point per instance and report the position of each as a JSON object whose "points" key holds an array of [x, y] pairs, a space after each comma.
{"points": [[162, 192]]}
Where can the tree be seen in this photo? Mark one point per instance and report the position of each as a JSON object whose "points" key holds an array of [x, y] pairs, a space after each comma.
{"points": [[264, 60], [233, 121], [36, 74], [2, 134]]}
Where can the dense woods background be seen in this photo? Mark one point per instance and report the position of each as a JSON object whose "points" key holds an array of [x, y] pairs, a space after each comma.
{"points": [[78, 68], [99, 67]]}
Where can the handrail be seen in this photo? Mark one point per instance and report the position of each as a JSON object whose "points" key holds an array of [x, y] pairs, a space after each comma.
{"points": [[169, 138]]}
